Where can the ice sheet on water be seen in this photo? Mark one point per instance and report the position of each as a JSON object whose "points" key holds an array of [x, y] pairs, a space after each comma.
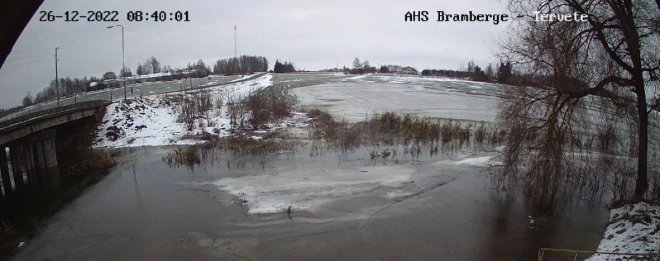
{"points": [[485, 161], [305, 189]]}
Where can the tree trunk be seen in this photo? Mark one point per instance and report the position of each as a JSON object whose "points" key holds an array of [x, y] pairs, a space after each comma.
{"points": [[642, 183]]}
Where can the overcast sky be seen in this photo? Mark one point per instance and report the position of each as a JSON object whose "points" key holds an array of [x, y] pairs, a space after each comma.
{"points": [[313, 34]]}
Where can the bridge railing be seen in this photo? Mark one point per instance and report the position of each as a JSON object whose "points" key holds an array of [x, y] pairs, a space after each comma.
{"points": [[22, 118]]}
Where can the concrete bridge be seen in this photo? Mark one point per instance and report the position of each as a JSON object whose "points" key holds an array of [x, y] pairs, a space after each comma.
{"points": [[30, 140]]}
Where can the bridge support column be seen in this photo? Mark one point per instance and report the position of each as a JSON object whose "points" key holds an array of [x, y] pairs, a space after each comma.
{"points": [[4, 169], [43, 173], [28, 152], [14, 152]]}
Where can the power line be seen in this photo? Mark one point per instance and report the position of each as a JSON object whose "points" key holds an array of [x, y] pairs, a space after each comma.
{"points": [[17, 65], [98, 53], [89, 58], [29, 50], [84, 51], [21, 58], [82, 61], [27, 60]]}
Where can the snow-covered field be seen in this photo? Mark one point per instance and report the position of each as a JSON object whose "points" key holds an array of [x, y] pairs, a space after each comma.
{"points": [[151, 121], [358, 97], [633, 229]]}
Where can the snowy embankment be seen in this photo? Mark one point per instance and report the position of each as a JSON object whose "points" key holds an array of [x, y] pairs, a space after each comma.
{"points": [[633, 229], [155, 120]]}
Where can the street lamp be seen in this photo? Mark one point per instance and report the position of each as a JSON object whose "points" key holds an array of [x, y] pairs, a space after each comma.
{"points": [[123, 65]]}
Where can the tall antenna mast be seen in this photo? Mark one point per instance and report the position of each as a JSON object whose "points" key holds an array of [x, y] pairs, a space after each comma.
{"points": [[235, 54], [57, 81]]}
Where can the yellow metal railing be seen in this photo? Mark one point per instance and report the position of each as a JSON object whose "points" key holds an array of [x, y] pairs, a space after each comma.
{"points": [[645, 256]]}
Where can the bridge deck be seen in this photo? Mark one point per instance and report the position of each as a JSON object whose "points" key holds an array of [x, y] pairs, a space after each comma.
{"points": [[25, 125]]}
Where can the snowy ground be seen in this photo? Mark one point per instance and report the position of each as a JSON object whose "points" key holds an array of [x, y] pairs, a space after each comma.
{"points": [[151, 121], [632, 229]]}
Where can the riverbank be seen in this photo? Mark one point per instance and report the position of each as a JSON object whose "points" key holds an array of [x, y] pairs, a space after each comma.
{"points": [[632, 229]]}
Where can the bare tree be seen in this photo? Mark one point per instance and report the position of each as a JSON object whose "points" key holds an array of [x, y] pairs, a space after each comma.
{"points": [[126, 72], [590, 82], [147, 67], [357, 64], [155, 65]]}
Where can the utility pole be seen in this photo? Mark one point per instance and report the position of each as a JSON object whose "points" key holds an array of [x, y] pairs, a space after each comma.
{"points": [[123, 64], [235, 52], [57, 80]]}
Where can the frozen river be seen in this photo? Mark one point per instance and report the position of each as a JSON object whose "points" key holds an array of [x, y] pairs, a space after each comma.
{"points": [[355, 100]]}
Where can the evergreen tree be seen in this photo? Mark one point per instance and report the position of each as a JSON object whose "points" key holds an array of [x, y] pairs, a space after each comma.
{"points": [[504, 72]]}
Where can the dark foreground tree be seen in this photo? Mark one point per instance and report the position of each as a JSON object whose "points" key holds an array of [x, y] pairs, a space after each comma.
{"points": [[591, 85], [27, 100], [109, 75]]}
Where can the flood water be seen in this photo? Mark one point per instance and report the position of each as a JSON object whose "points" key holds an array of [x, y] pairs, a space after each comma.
{"points": [[145, 210]]}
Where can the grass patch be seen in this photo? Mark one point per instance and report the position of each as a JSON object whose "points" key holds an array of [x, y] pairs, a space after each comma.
{"points": [[243, 145], [390, 128], [189, 156], [238, 145], [270, 104]]}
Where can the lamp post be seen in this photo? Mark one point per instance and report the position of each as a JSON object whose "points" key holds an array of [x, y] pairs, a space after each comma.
{"points": [[123, 65]]}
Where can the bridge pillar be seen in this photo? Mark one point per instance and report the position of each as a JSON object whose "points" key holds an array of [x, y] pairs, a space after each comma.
{"points": [[43, 173], [14, 152], [4, 169], [28, 152]]}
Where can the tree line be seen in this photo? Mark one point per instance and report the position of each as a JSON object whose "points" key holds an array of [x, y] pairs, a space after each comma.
{"points": [[503, 73], [285, 67], [67, 86], [360, 67], [244, 64]]}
